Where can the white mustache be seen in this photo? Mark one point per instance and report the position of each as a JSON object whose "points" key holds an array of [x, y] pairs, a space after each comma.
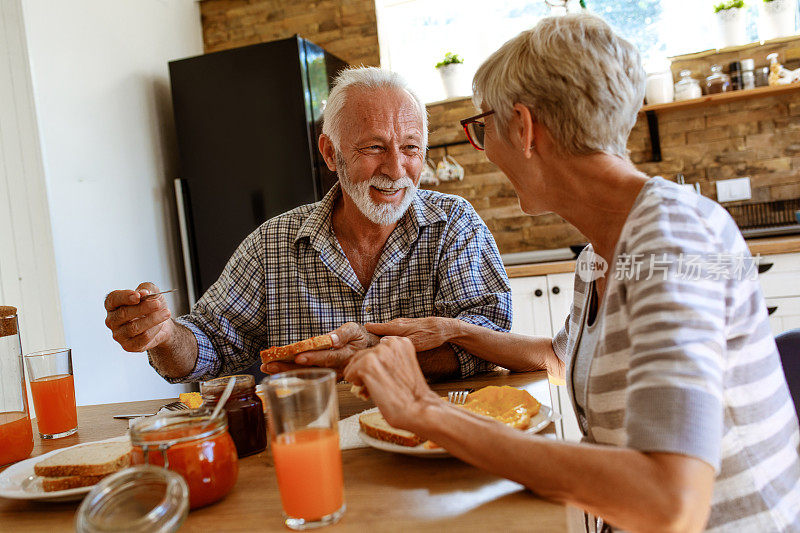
{"points": [[387, 183]]}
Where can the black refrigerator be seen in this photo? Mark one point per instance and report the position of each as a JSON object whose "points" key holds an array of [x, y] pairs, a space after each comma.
{"points": [[247, 123]]}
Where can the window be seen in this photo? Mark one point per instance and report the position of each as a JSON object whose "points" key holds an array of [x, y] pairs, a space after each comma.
{"points": [[415, 34]]}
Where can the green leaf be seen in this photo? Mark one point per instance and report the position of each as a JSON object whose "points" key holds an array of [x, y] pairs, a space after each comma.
{"points": [[449, 59]]}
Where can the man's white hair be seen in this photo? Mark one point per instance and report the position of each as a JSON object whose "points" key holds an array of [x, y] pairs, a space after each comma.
{"points": [[581, 80], [369, 78]]}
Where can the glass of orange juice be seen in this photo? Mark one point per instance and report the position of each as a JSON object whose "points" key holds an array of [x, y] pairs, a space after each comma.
{"points": [[303, 421], [53, 391]]}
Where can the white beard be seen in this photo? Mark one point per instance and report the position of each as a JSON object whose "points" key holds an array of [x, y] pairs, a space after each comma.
{"points": [[380, 213]]}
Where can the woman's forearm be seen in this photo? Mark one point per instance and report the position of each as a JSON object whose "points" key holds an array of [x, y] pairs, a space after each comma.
{"points": [[510, 350], [630, 489]]}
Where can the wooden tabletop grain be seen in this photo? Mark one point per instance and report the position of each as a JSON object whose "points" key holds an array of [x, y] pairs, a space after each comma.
{"points": [[383, 491]]}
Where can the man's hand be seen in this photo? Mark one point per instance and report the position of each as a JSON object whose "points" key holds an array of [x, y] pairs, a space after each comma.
{"points": [[138, 325], [425, 333], [392, 375], [347, 340]]}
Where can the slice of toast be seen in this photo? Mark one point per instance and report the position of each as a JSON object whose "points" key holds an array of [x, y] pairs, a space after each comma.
{"points": [[287, 353], [50, 484], [360, 391], [374, 425], [96, 459]]}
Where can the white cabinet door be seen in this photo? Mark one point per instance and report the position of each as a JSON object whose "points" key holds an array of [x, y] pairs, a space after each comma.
{"points": [[786, 316], [560, 289], [531, 307], [783, 278]]}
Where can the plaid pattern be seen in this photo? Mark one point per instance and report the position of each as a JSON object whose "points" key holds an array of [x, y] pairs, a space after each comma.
{"points": [[290, 280]]}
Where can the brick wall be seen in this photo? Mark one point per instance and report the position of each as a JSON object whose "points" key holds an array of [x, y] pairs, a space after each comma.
{"points": [[346, 28], [758, 137]]}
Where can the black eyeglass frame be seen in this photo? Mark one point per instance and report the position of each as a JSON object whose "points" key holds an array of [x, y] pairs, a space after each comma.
{"points": [[475, 120]]}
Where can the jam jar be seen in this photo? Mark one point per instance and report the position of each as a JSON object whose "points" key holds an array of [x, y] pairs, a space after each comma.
{"points": [[192, 444], [718, 81], [245, 412]]}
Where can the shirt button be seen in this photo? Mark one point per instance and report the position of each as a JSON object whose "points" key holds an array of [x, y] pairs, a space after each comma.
{"points": [[368, 309]]}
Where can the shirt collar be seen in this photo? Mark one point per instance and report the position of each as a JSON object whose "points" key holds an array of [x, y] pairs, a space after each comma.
{"points": [[422, 212]]}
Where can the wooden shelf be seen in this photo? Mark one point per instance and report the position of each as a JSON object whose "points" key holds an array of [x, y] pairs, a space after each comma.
{"points": [[723, 98], [651, 111]]}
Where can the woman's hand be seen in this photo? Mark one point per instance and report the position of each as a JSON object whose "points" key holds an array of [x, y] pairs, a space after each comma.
{"points": [[425, 333], [391, 373]]}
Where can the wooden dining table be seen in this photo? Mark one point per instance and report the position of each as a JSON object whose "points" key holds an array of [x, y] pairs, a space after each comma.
{"points": [[384, 491]]}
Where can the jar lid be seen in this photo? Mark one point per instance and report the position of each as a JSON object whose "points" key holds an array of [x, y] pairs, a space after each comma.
{"points": [[8, 324], [748, 64], [212, 389], [138, 499], [167, 429]]}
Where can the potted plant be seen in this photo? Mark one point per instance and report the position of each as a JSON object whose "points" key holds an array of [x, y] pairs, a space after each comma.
{"points": [[731, 23], [775, 18], [450, 69]]}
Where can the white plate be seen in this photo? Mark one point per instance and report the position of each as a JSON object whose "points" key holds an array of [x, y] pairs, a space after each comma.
{"points": [[18, 482], [538, 423]]}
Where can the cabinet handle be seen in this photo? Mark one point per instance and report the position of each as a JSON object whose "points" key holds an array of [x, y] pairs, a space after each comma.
{"points": [[556, 290], [763, 267], [771, 309], [537, 292]]}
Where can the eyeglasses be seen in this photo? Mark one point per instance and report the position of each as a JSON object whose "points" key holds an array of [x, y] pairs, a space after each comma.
{"points": [[475, 129]]}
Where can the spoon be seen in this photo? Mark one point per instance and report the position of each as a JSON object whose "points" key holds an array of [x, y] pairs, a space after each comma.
{"points": [[150, 296], [224, 398]]}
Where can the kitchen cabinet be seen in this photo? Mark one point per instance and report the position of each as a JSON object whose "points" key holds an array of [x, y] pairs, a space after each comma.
{"points": [[541, 305], [781, 287]]}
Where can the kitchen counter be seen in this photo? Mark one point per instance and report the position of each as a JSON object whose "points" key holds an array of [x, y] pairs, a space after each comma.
{"points": [[761, 246]]}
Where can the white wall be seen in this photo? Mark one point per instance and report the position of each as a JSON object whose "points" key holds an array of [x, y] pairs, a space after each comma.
{"points": [[27, 262], [101, 88]]}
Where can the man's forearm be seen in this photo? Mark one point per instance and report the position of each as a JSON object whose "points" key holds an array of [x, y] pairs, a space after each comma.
{"points": [[177, 357], [439, 363]]}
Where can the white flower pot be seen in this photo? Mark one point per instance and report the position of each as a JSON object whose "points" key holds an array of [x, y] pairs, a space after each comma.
{"points": [[732, 27], [453, 80], [776, 18]]}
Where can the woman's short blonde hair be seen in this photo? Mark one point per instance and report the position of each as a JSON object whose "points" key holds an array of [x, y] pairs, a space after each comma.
{"points": [[580, 79]]}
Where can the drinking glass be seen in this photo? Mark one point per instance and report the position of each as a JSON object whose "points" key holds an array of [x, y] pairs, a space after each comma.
{"points": [[53, 391], [303, 421]]}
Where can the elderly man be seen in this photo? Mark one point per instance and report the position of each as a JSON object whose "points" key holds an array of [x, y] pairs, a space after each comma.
{"points": [[372, 250]]}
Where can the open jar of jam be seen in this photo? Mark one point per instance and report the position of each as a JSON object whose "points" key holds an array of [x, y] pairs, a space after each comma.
{"points": [[245, 412], [193, 445]]}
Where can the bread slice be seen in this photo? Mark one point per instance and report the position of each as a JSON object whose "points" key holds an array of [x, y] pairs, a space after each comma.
{"points": [[374, 425], [283, 353], [96, 459], [50, 484], [360, 391]]}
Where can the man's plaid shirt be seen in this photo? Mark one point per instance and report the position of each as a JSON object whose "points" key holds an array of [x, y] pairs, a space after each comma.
{"points": [[290, 280]]}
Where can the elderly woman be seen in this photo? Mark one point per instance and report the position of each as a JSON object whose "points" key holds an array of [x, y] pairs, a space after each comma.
{"points": [[673, 371]]}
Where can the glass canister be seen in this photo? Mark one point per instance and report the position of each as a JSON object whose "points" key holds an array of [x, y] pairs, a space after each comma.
{"points": [[762, 76], [16, 434], [192, 444], [687, 87], [735, 73], [748, 74], [245, 412], [718, 81], [140, 499]]}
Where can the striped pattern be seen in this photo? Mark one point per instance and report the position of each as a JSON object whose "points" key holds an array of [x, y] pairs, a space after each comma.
{"points": [[290, 280], [689, 365]]}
